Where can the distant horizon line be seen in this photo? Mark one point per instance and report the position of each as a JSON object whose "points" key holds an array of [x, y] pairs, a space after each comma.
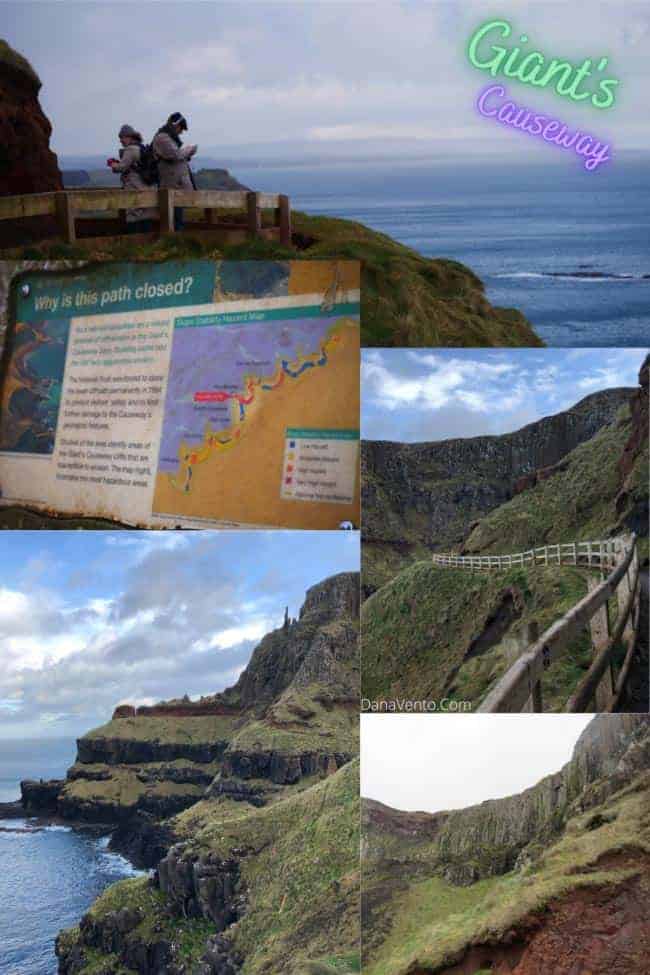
{"points": [[214, 158]]}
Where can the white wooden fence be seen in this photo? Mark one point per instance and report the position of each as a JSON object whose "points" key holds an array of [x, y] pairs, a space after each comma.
{"points": [[601, 554]]}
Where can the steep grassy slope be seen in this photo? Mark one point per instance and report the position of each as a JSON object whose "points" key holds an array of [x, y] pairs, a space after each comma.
{"points": [[406, 299], [485, 888], [437, 634], [303, 887], [282, 885]]}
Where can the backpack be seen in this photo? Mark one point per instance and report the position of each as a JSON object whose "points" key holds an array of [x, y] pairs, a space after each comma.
{"points": [[148, 166]]}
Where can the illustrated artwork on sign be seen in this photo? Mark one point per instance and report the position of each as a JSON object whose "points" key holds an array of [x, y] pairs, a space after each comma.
{"points": [[31, 395], [169, 395]]}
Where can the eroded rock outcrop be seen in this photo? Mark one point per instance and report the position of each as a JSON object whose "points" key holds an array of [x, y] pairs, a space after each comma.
{"points": [[318, 647], [27, 164], [41, 796]]}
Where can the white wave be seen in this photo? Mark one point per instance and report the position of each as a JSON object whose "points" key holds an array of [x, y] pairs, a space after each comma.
{"points": [[55, 828], [583, 279], [115, 863], [119, 865], [520, 274]]}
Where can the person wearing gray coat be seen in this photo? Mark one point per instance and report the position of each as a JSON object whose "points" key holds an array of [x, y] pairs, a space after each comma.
{"points": [[174, 159], [140, 220]]}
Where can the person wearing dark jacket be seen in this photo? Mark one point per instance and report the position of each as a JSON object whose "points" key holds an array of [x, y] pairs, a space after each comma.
{"points": [[174, 159]]}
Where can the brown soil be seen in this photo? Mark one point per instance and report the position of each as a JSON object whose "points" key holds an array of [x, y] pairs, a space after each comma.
{"points": [[591, 931]]}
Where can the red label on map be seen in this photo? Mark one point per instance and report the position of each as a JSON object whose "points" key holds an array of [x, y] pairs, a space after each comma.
{"points": [[211, 396]]}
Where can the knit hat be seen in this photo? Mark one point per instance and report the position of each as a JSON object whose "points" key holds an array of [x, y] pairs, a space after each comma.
{"points": [[177, 118], [130, 131]]}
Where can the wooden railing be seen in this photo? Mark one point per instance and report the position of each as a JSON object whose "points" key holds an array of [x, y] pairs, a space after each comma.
{"points": [[69, 207], [601, 554], [602, 687]]}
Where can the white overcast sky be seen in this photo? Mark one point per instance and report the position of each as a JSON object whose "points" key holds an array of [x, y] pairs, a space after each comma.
{"points": [[328, 74], [434, 762], [89, 620], [414, 395]]}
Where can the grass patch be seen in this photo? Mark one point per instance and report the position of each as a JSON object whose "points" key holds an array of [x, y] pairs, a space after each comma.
{"points": [[419, 629], [167, 730]]}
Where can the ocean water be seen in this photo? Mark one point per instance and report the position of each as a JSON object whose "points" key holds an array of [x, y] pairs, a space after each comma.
{"points": [[33, 759], [568, 248], [49, 874]]}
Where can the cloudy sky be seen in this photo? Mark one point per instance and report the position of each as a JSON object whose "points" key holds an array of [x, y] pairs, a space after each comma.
{"points": [[429, 763], [414, 395], [340, 77], [92, 619]]}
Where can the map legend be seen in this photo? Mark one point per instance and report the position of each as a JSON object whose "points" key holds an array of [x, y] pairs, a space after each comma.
{"points": [[320, 465]]}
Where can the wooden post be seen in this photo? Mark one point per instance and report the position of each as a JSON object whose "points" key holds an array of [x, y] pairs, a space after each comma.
{"points": [[210, 215], [123, 221], [166, 211], [254, 214], [622, 595], [283, 218], [65, 216], [599, 629]]}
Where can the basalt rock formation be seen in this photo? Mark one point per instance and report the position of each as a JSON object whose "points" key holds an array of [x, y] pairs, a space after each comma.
{"points": [[270, 890], [40, 796], [27, 164], [507, 871], [424, 497]]}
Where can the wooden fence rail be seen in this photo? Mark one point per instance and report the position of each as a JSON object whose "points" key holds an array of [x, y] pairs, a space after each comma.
{"points": [[69, 208], [520, 688], [601, 554]]}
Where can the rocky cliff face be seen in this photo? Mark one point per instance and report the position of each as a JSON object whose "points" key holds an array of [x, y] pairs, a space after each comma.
{"points": [[469, 844], [509, 862], [425, 497], [629, 504], [27, 164], [311, 647]]}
